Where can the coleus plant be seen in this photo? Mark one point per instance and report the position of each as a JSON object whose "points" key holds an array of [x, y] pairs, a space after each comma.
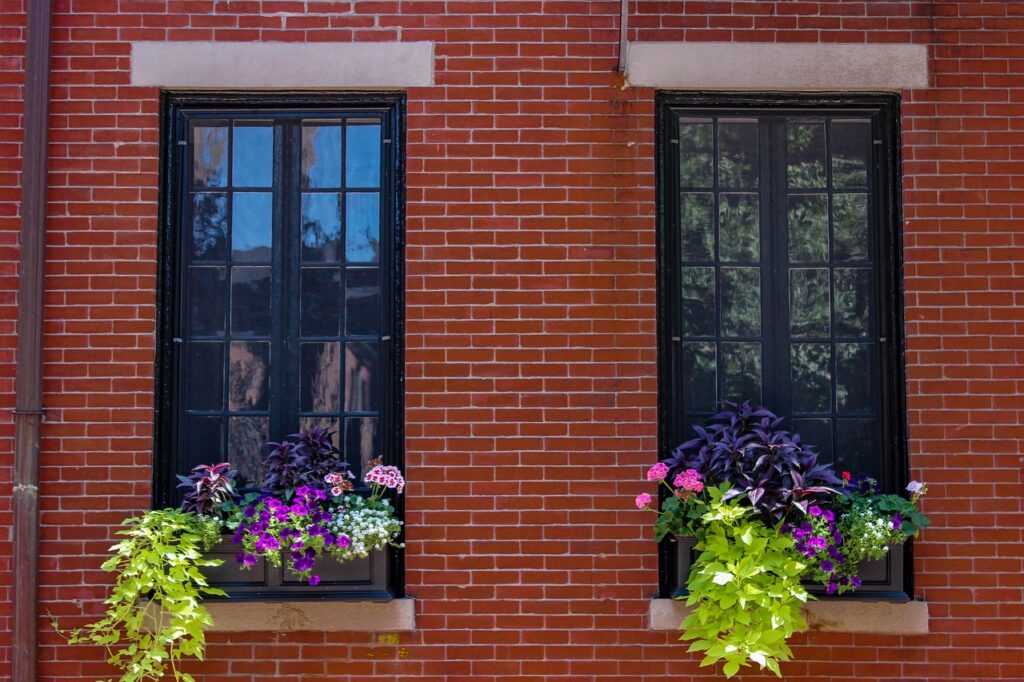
{"points": [[303, 459], [747, 447], [208, 488]]}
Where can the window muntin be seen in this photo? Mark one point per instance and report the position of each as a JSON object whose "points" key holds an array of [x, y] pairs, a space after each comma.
{"points": [[779, 278]]}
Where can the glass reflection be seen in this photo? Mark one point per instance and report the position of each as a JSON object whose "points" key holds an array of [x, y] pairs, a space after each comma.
{"points": [[362, 443], [805, 154], [362, 301], [741, 301], [321, 227], [252, 150], [202, 441], [209, 226], [697, 226], [321, 156], [808, 302], [853, 378], [249, 376], [207, 287], [320, 377], [739, 228], [817, 432], [807, 220], [697, 300], [811, 371], [361, 377], [362, 155], [209, 156], [741, 371], [857, 448], [737, 154], [696, 153], [320, 302], [250, 301], [851, 145], [251, 219], [850, 226], [699, 376], [852, 301], [246, 439], [362, 227], [204, 383]]}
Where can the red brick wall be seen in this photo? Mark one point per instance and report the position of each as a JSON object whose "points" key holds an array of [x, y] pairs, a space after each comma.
{"points": [[531, 329]]}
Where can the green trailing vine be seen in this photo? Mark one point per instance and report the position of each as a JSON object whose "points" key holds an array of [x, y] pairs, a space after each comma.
{"points": [[744, 587], [154, 612]]}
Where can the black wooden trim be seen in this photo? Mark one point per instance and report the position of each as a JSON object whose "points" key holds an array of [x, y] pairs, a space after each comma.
{"points": [[887, 258], [175, 107]]}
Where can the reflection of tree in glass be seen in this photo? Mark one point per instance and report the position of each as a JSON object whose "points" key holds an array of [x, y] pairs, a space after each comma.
{"points": [[741, 301], [808, 302], [807, 220], [850, 226], [209, 225], [806, 154], [741, 371], [739, 227], [246, 437], [699, 372], [812, 377], [698, 229], [695, 150], [737, 157], [697, 300], [852, 301], [247, 377]]}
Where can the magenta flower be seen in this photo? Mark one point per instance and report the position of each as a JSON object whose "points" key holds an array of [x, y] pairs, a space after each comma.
{"points": [[658, 472], [828, 515], [344, 541], [642, 500], [314, 580], [814, 510]]}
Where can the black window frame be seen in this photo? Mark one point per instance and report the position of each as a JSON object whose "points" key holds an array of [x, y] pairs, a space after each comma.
{"points": [[385, 569], [675, 557]]}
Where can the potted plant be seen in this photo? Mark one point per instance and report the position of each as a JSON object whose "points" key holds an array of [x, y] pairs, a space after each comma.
{"points": [[306, 508], [765, 516]]}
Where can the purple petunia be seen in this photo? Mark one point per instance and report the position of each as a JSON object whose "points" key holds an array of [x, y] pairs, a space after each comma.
{"points": [[814, 510], [828, 566], [897, 521], [314, 580]]}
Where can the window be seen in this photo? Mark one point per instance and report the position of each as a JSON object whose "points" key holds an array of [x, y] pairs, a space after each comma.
{"points": [[779, 276], [281, 295]]}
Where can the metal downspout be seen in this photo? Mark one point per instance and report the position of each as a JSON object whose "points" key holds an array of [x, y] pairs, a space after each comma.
{"points": [[623, 34], [28, 383]]}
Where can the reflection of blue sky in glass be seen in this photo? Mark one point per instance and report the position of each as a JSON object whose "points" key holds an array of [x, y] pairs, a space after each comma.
{"points": [[321, 156], [321, 226], [362, 156], [362, 227], [209, 157], [252, 156], [251, 220]]}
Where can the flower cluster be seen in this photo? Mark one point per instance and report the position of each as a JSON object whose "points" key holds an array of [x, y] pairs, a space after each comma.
{"points": [[368, 524], [820, 539], [340, 482], [658, 472], [689, 481], [385, 476]]}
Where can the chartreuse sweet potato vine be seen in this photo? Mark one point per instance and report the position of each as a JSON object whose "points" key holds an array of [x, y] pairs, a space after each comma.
{"points": [[744, 587], [154, 612]]}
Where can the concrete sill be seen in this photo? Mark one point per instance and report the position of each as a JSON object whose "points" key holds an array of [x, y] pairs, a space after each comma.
{"points": [[397, 615], [896, 618]]}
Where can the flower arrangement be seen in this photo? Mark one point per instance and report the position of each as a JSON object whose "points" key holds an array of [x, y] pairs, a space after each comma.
{"points": [[306, 508], [767, 517]]}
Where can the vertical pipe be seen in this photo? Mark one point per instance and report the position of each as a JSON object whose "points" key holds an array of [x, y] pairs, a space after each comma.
{"points": [[28, 383], [623, 34]]}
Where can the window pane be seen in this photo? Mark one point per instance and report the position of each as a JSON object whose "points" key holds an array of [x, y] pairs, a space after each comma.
{"points": [[321, 156], [805, 154], [321, 227], [362, 301], [206, 294], [251, 219], [209, 156], [320, 302], [362, 384], [362, 155], [247, 437], [858, 451], [250, 301], [202, 442], [698, 301], [697, 226], [209, 226], [252, 162], [741, 301], [816, 432], [850, 226], [741, 371], [204, 385], [739, 228], [853, 378], [249, 376], [737, 154], [696, 153], [362, 227], [362, 443], [852, 301], [807, 219], [320, 377], [851, 145], [808, 302], [811, 376], [699, 373]]}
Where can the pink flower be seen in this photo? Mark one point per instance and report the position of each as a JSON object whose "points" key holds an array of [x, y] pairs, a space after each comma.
{"points": [[689, 480], [642, 500], [658, 472]]}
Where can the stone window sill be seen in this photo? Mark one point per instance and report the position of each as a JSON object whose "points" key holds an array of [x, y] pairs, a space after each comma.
{"points": [[831, 615], [294, 615]]}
